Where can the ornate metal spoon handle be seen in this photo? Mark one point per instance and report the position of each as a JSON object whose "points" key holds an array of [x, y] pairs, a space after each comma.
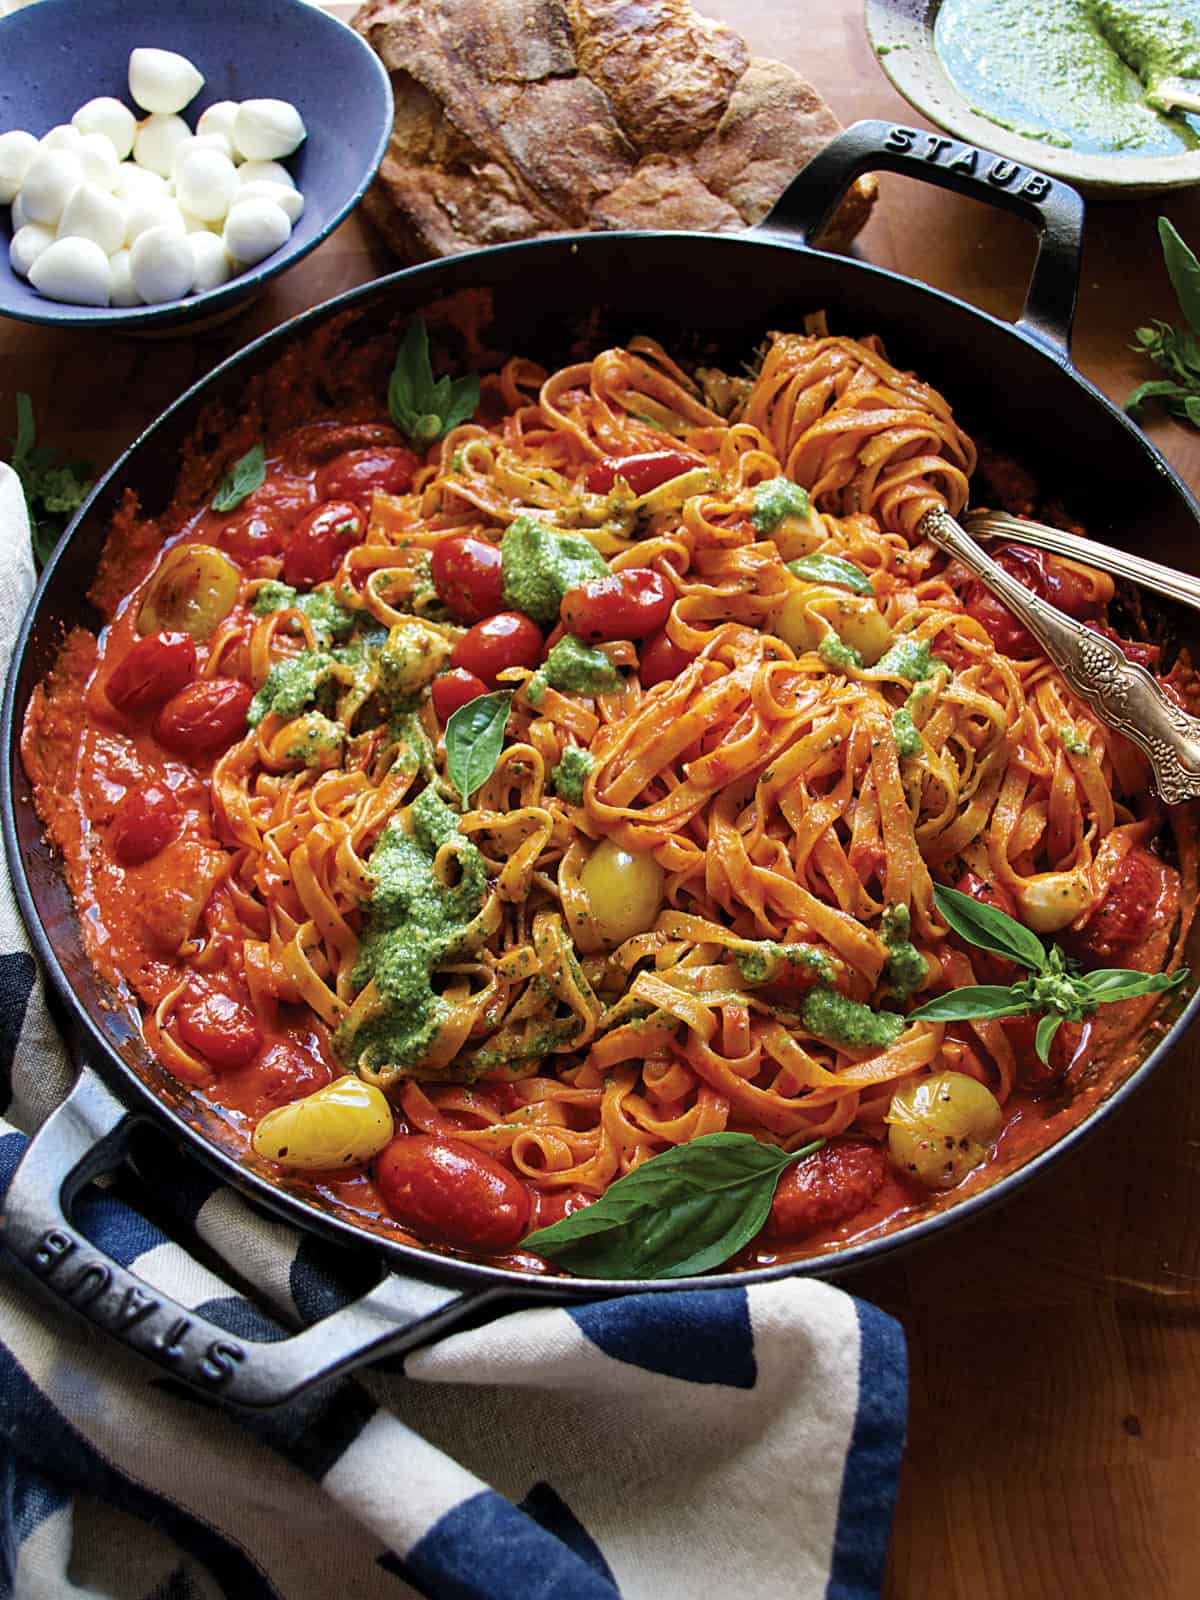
{"points": [[1181, 586], [1120, 692]]}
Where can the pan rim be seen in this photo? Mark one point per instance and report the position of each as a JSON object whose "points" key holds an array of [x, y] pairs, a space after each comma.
{"points": [[103, 1057]]}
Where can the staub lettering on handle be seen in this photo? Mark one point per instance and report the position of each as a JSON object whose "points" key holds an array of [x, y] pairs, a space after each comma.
{"points": [[971, 162], [115, 1300]]}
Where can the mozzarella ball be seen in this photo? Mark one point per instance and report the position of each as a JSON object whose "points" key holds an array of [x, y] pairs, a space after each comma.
{"points": [[156, 140], [205, 184], [213, 141], [52, 178], [123, 292], [162, 81], [112, 119], [93, 213], [161, 265], [138, 183], [255, 229], [267, 129], [289, 201], [61, 137], [193, 224], [76, 270], [212, 266], [17, 150], [265, 172], [98, 160], [218, 118], [152, 211], [18, 214], [27, 245]]}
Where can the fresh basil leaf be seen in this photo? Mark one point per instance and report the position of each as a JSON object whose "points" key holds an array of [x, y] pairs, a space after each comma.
{"points": [[1155, 389], [54, 490], [1120, 983], [832, 569], [989, 928], [421, 408], [245, 475], [1183, 270], [680, 1213], [474, 740], [973, 1002], [1044, 1037]]}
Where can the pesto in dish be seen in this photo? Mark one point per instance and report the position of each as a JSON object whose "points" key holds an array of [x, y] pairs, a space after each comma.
{"points": [[1077, 74]]}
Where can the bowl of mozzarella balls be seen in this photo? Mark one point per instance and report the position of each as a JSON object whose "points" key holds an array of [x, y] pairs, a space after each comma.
{"points": [[155, 172]]}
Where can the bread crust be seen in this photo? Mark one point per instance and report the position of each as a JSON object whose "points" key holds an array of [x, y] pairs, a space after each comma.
{"points": [[519, 118]]}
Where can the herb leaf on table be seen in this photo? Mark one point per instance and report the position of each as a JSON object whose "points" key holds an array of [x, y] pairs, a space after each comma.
{"points": [[1175, 349], [54, 489]]}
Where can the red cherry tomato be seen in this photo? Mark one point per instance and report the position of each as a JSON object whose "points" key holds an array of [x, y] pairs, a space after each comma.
{"points": [[143, 823], [260, 532], [506, 640], [449, 1193], [642, 473], [1053, 580], [826, 1188], [157, 667], [355, 474], [660, 659], [453, 690], [1132, 904], [219, 1028], [623, 605], [204, 717], [467, 575], [317, 546], [989, 968]]}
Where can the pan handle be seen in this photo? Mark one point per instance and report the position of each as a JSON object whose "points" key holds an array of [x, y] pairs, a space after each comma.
{"points": [[1055, 209], [88, 1134]]}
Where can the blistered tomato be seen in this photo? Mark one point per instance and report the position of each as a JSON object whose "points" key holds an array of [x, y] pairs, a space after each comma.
{"points": [[219, 1028], [622, 605], [204, 717], [144, 821], [509, 639], [453, 690], [356, 474], [157, 667], [467, 575], [450, 1193], [660, 659], [317, 546], [642, 472]]}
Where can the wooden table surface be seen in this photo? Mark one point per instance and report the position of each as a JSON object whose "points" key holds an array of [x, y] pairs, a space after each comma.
{"points": [[1055, 1346]]}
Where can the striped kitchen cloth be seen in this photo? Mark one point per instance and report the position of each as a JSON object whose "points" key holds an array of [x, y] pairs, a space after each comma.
{"points": [[690, 1444]]}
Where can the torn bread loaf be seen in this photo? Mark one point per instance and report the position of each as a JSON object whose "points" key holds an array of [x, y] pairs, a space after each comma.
{"points": [[516, 118]]}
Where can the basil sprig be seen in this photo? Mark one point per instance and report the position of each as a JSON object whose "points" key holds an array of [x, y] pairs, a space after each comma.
{"points": [[831, 569], [474, 740], [1175, 349], [421, 407], [680, 1213], [1057, 989], [244, 476]]}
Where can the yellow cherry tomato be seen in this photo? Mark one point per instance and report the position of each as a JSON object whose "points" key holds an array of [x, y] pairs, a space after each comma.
{"points": [[341, 1125], [194, 589], [624, 890], [942, 1127]]}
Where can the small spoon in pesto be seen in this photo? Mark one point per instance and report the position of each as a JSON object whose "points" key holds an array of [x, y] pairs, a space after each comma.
{"points": [[1161, 44]]}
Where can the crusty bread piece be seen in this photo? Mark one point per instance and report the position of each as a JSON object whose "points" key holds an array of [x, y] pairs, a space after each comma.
{"points": [[516, 118]]}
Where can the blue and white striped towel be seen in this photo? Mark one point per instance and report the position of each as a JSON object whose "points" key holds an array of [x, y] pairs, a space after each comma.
{"points": [[662, 1445]]}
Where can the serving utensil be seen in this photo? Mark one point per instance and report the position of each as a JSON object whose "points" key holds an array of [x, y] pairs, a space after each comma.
{"points": [[1121, 693], [1175, 585]]}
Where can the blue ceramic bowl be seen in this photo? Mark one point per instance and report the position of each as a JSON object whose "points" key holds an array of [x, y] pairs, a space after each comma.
{"points": [[58, 54]]}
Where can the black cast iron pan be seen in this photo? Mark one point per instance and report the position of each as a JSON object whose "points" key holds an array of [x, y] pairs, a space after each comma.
{"points": [[1014, 383]]}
